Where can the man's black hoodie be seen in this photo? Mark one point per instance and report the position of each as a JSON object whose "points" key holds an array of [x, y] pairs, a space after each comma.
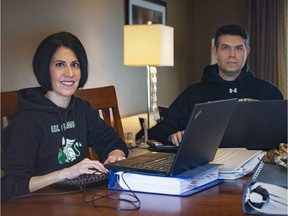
{"points": [[212, 88]]}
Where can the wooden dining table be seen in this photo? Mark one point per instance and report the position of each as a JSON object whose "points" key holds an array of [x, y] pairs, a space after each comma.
{"points": [[222, 199]]}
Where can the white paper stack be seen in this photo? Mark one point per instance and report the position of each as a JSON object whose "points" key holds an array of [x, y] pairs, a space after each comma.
{"points": [[237, 162]]}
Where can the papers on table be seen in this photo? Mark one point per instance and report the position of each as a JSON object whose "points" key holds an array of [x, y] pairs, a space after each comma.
{"points": [[236, 162]]}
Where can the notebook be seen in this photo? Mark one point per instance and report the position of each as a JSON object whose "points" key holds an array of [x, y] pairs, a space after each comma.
{"points": [[202, 137], [259, 125], [267, 191]]}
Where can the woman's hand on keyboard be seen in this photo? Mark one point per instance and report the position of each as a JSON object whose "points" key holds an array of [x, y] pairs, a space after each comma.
{"points": [[85, 166]]}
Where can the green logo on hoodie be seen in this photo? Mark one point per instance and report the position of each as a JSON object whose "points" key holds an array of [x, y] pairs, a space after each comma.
{"points": [[69, 151]]}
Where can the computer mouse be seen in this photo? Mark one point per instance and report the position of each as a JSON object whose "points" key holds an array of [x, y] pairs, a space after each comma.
{"points": [[154, 143]]}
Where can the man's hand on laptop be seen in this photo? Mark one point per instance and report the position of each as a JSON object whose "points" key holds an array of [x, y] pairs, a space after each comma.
{"points": [[176, 138], [115, 155]]}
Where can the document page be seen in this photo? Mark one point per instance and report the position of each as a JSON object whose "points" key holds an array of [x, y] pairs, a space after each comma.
{"points": [[236, 161]]}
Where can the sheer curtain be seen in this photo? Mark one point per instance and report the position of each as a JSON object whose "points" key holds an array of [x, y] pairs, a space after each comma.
{"points": [[267, 26]]}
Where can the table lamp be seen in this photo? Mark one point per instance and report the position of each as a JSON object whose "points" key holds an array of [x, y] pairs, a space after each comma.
{"points": [[149, 45]]}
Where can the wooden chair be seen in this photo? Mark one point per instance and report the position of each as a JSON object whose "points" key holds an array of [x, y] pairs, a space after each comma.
{"points": [[102, 99], [9, 102]]}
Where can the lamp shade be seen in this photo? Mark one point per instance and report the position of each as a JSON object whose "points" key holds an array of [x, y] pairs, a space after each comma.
{"points": [[148, 45]]}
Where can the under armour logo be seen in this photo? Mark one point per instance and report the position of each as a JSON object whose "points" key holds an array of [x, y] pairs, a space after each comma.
{"points": [[232, 90]]}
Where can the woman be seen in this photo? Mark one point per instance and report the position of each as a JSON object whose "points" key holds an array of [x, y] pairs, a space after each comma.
{"points": [[47, 138]]}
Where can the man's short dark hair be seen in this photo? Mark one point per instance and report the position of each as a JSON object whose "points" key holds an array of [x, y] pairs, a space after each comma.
{"points": [[233, 29], [45, 51]]}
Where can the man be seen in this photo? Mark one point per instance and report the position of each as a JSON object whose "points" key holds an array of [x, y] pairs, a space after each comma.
{"points": [[229, 78]]}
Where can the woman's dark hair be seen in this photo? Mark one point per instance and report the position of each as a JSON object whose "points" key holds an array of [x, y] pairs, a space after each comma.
{"points": [[45, 51], [233, 29]]}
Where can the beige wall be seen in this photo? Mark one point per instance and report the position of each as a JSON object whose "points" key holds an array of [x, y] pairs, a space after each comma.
{"points": [[99, 25]]}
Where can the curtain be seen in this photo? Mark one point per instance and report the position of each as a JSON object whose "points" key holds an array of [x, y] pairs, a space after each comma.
{"points": [[267, 26]]}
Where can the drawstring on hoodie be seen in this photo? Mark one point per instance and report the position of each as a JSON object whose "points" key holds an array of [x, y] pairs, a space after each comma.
{"points": [[61, 155]]}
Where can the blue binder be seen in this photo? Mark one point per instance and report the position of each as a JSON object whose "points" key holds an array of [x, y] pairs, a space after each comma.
{"points": [[113, 181]]}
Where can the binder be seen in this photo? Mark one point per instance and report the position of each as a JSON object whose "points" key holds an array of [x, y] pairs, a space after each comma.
{"points": [[113, 183], [266, 193]]}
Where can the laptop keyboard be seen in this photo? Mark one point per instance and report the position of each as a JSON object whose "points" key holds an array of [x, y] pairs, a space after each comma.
{"points": [[85, 180], [161, 164]]}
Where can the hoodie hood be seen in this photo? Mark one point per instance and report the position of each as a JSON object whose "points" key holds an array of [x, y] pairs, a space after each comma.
{"points": [[211, 75], [33, 99]]}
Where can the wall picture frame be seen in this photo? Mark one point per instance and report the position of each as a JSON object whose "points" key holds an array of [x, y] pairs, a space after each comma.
{"points": [[142, 11]]}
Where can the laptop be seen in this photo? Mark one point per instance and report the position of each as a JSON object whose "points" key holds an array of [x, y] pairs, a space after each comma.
{"points": [[202, 137], [257, 125]]}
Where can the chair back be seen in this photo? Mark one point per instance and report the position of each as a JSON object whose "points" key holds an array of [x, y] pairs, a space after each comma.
{"points": [[9, 102], [102, 99]]}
